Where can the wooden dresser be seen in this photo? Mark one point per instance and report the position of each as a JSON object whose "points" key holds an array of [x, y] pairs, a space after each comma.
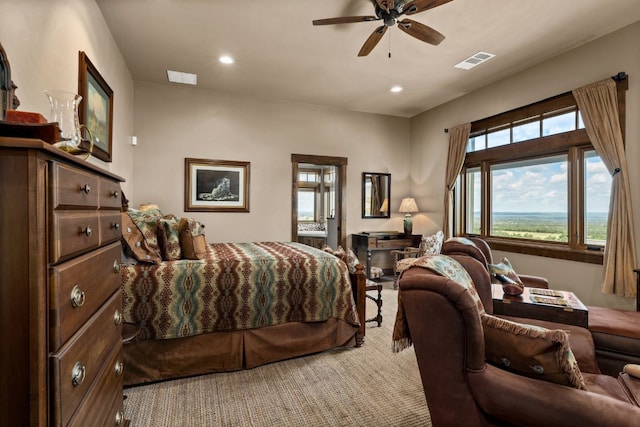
{"points": [[60, 300]]}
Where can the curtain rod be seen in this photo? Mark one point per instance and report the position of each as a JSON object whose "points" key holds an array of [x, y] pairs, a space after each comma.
{"points": [[619, 77]]}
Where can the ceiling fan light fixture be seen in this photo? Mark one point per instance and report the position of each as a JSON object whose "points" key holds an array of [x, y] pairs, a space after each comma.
{"points": [[226, 59], [180, 77], [396, 89]]}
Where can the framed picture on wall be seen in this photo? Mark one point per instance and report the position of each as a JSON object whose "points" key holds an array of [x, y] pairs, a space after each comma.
{"points": [[216, 185], [96, 108]]}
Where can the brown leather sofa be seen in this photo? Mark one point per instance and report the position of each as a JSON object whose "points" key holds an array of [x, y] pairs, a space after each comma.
{"points": [[463, 390]]}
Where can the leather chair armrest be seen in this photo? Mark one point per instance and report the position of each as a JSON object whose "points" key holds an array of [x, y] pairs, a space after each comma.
{"points": [[534, 281], [524, 401]]}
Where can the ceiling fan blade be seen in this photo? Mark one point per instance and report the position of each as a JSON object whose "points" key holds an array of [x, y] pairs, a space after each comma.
{"points": [[345, 20], [420, 31], [417, 6], [385, 4], [373, 40]]}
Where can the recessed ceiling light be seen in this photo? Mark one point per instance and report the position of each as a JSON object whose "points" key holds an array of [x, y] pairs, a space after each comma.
{"points": [[226, 59], [396, 89], [180, 77]]}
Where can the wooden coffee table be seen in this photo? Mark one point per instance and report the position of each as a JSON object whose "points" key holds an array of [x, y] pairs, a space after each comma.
{"points": [[574, 313]]}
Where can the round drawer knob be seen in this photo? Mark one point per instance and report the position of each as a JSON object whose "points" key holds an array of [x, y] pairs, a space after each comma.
{"points": [[77, 374], [77, 296], [119, 368], [87, 231], [116, 226], [86, 188], [115, 194]]}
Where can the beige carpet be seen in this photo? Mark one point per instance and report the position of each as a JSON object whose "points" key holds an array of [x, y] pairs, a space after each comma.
{"points": [[367, 386]]}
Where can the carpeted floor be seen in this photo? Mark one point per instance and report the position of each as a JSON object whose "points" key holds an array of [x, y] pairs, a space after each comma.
{"points": [[367, 386]]}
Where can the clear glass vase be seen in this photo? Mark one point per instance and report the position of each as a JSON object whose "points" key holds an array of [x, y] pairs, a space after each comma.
{"points": [[64, 111]]}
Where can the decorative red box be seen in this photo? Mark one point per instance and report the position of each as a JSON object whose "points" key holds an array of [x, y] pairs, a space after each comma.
{"points": [[16, 116]]}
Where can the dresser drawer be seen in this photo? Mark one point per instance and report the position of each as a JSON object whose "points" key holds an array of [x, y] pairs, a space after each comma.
{"points": [[78, 288], [82, 358], [110, 197], [394, 243], [103, 406], [72, 188], [110, 227], [73, 233]]}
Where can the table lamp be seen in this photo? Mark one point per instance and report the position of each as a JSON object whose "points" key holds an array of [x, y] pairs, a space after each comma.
{"points": [[407, 207]]}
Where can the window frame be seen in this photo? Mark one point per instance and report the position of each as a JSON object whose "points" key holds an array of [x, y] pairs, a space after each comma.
{"points": [[574, 144]]}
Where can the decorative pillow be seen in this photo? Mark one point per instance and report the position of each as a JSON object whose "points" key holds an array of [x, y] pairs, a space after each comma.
{"points": [[351, 261], [431, 245], [340, 253], [504, 272], [169, 238], [311, 226], [136, 242], [192, 241], [147, 222], [531, 351]]}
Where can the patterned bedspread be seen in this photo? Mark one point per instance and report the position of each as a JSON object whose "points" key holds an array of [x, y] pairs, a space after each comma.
{"points": [[237, 286]]}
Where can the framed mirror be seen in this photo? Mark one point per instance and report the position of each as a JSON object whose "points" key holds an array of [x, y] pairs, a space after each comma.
{"points": [[376, 193]]}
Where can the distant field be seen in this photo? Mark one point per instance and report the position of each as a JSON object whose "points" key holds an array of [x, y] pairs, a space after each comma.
{"points": [[545, 226]]}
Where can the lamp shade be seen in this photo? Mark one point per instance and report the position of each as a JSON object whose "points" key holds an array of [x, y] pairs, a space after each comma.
{"points": [[385, 206], [408, 205]]}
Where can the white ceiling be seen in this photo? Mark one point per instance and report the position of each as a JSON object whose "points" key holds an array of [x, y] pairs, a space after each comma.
{"points": [[280, 54]]}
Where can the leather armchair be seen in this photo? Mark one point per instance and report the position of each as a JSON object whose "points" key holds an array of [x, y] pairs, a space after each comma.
{"points": [[616, 333], [462, 389], [482, 252]]}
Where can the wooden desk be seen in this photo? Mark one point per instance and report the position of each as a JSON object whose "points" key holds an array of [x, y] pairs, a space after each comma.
{"points": [[367, 243], [576, 313]]}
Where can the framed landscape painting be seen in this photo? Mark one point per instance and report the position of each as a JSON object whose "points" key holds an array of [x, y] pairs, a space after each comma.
{"points": [[216, 185], [96, 108]]}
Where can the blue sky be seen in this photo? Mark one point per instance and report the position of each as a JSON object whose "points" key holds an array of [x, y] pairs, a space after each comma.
{"points": [[543, 187]]}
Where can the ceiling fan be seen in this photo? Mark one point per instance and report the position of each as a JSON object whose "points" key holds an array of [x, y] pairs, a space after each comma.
{"points": [[389, 11]]}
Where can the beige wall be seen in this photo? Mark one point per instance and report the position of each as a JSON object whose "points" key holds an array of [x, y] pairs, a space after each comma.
{"points": [[591, 62], [42, 39], [174, 122]]}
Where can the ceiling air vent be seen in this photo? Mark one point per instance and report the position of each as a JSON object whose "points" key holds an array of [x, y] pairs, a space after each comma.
{"points": [[180, 77], [474, 60]]}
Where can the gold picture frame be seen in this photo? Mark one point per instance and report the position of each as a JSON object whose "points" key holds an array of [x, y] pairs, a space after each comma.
{"points": [[216, 186], [96, 108]]}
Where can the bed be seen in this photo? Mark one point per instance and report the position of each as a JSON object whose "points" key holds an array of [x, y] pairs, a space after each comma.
{"points": [[241, 306]]}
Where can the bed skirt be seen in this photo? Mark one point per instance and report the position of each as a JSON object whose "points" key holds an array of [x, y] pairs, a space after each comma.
{"points": [[158, 360]]}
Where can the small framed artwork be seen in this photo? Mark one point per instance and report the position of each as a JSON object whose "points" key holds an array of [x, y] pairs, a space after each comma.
{"points": [[96, 108], [216, 185]]}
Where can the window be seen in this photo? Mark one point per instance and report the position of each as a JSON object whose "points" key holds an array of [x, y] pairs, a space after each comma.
{"points": [[529, 199], [597, 191], [316, 193], [533, 183], [308, 187], [306, 205]]}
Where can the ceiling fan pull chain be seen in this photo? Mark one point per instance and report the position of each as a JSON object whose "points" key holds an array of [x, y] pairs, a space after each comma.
{"points": [[389, 44]]}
